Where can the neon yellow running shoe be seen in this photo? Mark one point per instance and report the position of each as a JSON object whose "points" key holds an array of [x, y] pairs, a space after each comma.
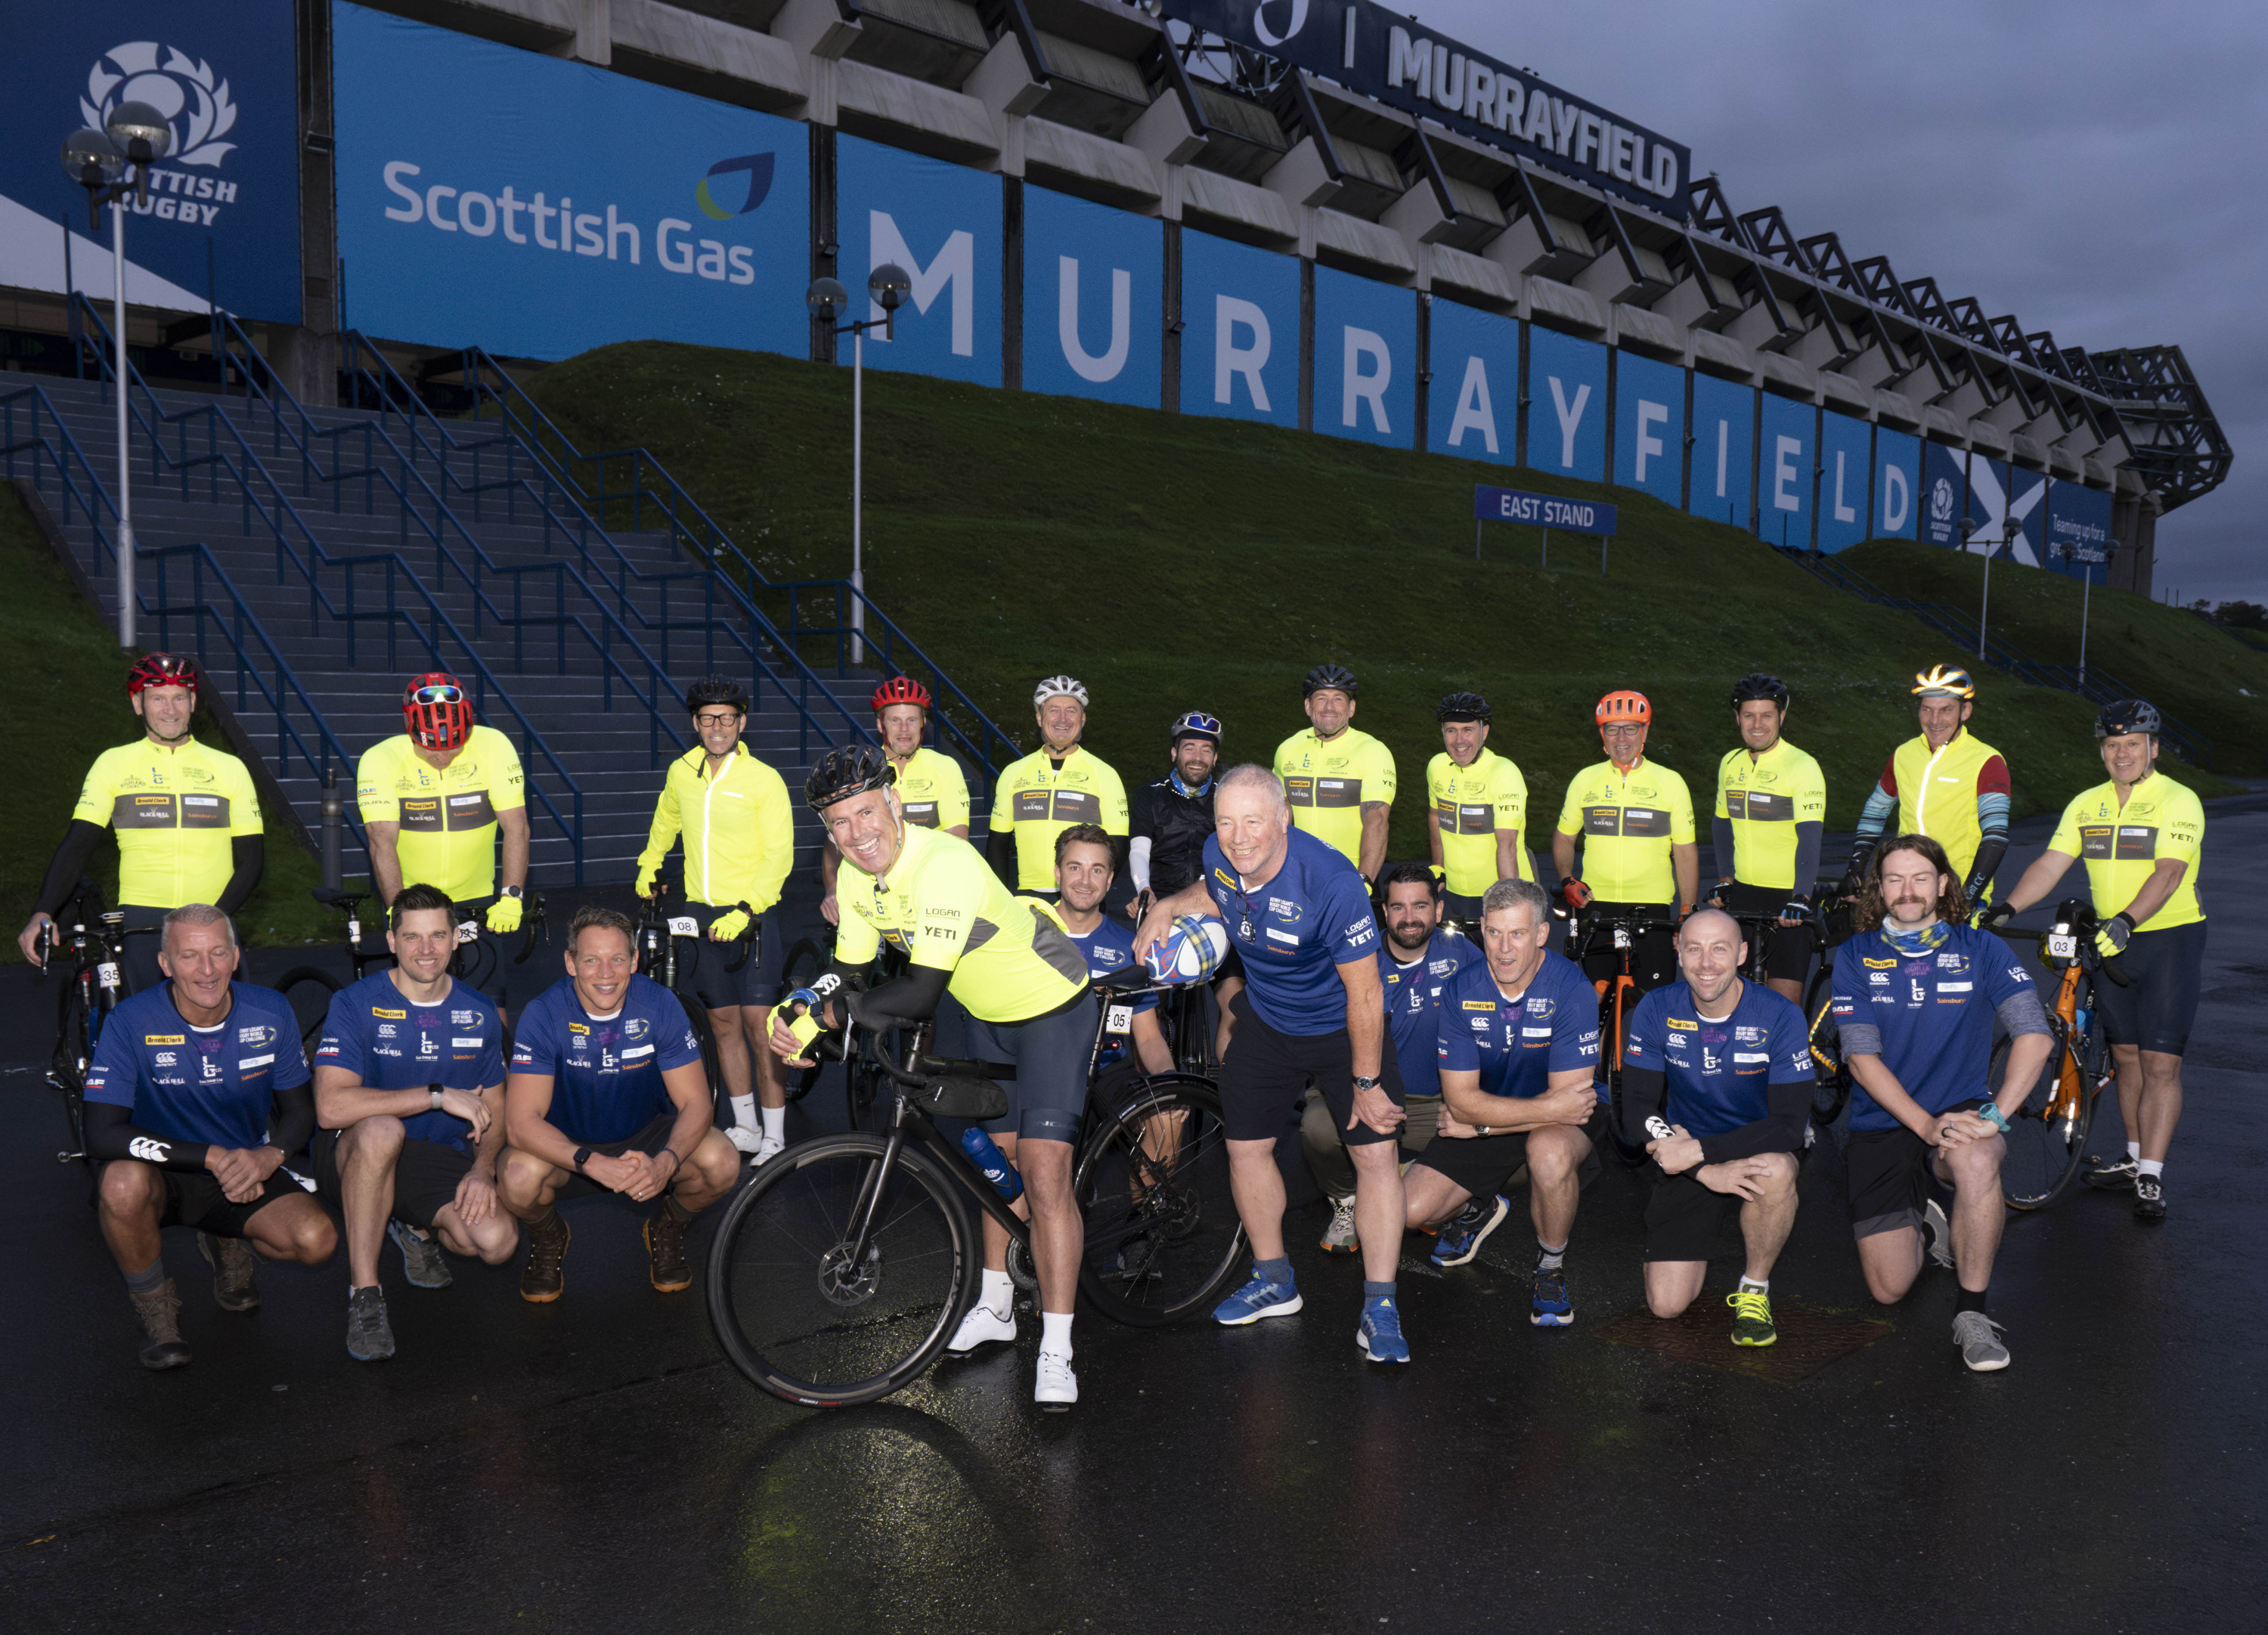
{"points": [[1752, 1318]]}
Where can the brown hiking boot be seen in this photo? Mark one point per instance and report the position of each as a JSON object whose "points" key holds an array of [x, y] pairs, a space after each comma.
{"points": [[541, 1280], [665, 1247], [233, 1262], [161, 1327]]}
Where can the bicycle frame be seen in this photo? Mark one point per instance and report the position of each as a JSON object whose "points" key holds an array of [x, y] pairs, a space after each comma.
{"points": [[906, 1120]]}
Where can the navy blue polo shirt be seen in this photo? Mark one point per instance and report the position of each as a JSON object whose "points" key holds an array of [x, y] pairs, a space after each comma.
{"points": [[606, 1073], [1413, 1005], [1294, 933], [1107, 950], [1718, 1074], [388, 1043], [1934, 1011], [214, 1085], [1516, 1044]]}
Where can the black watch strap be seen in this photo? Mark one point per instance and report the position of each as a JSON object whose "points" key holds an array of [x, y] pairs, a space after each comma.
{"points": [[582, 1157]]}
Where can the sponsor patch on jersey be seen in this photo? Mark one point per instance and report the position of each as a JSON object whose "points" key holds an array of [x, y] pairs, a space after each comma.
{"points": [[1740, 1057], [1536, 1033], [1878, 977], [473, 1044], [463, 1019], [397, 1015], [635, 1028], [941, 914], [1684, 1027], [1746, 1035], [577, 1027], [1285, 907], [1283, 936], [1440, 967], [1954, 987], [255, 1036], [1880, 965], [246, 1064], [1471, 1005], [1952, 961], [637, 1050], [165, 1039]]}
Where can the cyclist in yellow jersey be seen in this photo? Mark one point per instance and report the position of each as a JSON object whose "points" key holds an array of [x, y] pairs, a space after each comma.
{"points": [[434, 800], [929, 783], [1945, 784], [1771, 803], [1024, 983], [1056, 785], [1340, 782], [2142, 836], [1477, 816], [740, 843], [187, 816], [1634, 820]]}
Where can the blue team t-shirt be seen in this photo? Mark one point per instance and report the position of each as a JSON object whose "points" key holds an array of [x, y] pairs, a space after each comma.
{"points": [[1934, 1011], [1413, 1002], [388, 1043], [1517, 1044], [1107, 950], [1719, 1073], [1294, 933], [606, 1075], [214, 1085]]}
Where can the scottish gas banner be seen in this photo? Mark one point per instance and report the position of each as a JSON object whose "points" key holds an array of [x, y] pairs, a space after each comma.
{"points": [[1094, 300], [225, 197], [539, 208], [1473, 408]]}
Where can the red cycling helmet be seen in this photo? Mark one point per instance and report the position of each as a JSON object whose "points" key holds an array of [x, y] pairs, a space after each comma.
{"points": [[1623, 706], [435, 711], [901, 689], [161, 670]]}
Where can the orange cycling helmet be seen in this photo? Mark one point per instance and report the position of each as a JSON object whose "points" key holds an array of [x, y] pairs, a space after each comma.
{"points": [[1624, 706], [901, 689]]}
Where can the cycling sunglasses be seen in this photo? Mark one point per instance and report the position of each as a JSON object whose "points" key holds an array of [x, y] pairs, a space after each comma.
{"points": [[437, 695]]}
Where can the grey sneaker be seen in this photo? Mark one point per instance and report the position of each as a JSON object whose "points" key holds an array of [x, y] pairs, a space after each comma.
{"points": [[1340, 1237], [233, 1262], [1940, 1232], [1979, 1337], [2113, 1175], [160, 1313], [422, 1259], [370, 1337]]}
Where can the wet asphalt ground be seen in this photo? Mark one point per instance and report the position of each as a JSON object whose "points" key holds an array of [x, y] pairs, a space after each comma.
{"points": [[596, 1465]]}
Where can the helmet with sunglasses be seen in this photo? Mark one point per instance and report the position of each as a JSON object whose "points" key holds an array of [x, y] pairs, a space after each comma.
{"points": [[1196, 723], [435, 712]]}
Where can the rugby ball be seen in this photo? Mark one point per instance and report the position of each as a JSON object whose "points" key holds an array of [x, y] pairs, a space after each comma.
{"points": [[1190, 950]]}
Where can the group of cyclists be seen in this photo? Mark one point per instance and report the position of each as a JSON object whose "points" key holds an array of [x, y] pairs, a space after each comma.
{"points": [[1432, 1027]]}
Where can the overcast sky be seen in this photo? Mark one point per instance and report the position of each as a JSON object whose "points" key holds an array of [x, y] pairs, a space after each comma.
{"points": [[2095, 168]]}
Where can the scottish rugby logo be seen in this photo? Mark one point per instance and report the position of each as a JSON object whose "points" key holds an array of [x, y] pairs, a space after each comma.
{"points": [[1940, 503], [194, 99]]}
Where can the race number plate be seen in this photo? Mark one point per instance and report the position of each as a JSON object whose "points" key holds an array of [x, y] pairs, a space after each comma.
{"points": [[2062, 945], [684, 925], [1119, 1019]]}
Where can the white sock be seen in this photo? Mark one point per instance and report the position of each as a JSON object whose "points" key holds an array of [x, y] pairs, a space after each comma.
{"points": [[744, 1111], [2150, 1165], [2134, 1150], [1762, 1285], [1055, 1333], [999, 1294], [1548, 1259], [775, 1123]]}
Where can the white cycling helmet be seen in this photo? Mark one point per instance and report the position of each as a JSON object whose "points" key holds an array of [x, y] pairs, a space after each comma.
{"points": [[1058, 687]]}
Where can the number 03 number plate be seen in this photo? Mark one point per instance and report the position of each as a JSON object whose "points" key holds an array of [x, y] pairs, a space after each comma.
{"points": [[2062, 946]]}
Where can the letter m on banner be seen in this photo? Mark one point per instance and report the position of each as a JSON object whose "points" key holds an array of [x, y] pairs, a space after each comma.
{"points": [[953, 265]]}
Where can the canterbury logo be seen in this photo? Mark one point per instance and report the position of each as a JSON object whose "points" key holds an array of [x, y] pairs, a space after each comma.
{"points": [[148, 1151]]}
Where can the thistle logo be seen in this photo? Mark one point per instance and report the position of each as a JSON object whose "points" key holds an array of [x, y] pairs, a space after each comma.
{"points": [[194, 99], [1940, 503], [757, 167]]}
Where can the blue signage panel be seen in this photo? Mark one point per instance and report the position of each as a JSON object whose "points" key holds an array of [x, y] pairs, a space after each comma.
{"points": [[2027, 494], [1566, 405], [1724, 449], [1542, 510], [1945, 494], [1366, 359], [1093, 307], [1649, 426], [1992, 527], [1897, 484], [626, 212], [221, 72], [941, 223], [1473, 408], [2077, 525], [1844, 460], [1784, 472], [1241, 336]]}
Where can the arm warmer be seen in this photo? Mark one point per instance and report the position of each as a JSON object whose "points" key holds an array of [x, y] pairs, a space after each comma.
{"points": [[68, 865], [1000, 852], [913, 994], [1806, 858], [291, 1119], [247, 853], [1137, 859], [109, 1135], [1882, 806], [2022, 1012], [1779, 1130], [1644, 1089], [1721, 844]]}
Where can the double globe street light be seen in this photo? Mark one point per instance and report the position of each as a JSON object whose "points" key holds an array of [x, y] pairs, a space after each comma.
{"points": [[112, 165], [890, 286]]}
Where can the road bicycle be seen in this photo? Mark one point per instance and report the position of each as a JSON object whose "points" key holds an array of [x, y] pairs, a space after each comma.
{"points": [[2048, 1135], [95, 939], [655, 940], [1597, 928]]}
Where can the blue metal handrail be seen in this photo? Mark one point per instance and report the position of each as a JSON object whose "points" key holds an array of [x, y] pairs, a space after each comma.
{"points": [[75, 480]]}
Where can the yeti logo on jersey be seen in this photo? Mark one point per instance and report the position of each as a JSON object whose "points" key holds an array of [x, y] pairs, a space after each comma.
{"points": [[148, 1151]]}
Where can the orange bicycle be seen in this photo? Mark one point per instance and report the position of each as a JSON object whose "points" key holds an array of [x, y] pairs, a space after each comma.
{"points": [[1598, 928], [2047, 1136]]}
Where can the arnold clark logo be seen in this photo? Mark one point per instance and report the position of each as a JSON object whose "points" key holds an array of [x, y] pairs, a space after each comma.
{"points": [[194, 101], [730, 189]]}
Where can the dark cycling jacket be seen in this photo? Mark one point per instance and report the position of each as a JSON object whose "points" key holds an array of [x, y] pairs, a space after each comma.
{"points": [[1177, 826]]}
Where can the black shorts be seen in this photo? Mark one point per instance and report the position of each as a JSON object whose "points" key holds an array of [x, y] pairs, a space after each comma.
{"points": [[1264, 1077], [1048, 1092], [1454, 907], [2155, 1012], [700, 963], [1891, 1173], [650, 1139], [425, 1176], [1685, 1221], [194, 1198], [1483, 1165], [1787, 948], [1653, 950], [137, 950]]}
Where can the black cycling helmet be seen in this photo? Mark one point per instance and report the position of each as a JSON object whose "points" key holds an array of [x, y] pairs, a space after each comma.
{"points": [[1328, 677], [843, 773], [2129, 715], [714, 689], [1196, 723], [1463, 707], [1755, 685]]}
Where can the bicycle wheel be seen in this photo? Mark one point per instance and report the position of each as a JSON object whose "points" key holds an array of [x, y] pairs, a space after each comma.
{"points": [[804, 962], [1832, 1091], [1163, 1239], [790, 1310], [308, 992], [2047, 1136]]}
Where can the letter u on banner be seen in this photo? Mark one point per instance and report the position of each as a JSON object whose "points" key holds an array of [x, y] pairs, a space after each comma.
{"points": [[1085, 364]]}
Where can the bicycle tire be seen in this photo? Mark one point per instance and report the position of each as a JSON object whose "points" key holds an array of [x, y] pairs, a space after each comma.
{"points": [[1831, 1094], [804, 962], [2047, 1150], [308, 1006], [1610, 1063], [777, 1304], [1168, 1249]]}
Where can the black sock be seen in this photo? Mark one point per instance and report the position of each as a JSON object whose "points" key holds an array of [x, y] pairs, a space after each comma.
{"points": [[1971, 1300], [148, 1280]]}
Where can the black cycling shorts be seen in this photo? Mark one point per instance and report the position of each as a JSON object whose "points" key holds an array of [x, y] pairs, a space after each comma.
{"points": [[701, 964], [1466, 910], [1787, 948], [1891, 1173], [137, 950], [1264, 1079], [2155, 1012], [425, 1176], [194, 1198], [1685, 1221], [1485, 1164], [650, 1138], [1051, 1052]]}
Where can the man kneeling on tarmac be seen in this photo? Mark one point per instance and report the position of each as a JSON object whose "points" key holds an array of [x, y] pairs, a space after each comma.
{"points": [[1734, 1060]]}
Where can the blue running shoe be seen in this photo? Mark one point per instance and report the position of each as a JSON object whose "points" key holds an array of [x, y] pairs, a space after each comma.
{"points": [[1462, 1235], [1552, 1309], [1257, 1300], [1381, 1334]]}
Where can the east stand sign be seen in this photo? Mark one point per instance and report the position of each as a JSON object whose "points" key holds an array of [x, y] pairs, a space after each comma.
{"points": [[1546, 511]]}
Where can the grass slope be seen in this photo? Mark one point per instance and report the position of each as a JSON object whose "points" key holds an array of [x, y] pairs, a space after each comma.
{"points": [[68, 703]]}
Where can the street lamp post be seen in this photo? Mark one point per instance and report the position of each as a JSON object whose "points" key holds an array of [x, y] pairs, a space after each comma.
{"points": [[2008, 532], [889, 286], [112, 164]]}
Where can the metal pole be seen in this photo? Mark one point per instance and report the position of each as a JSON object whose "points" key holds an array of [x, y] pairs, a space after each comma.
{"points": [[1477, 526], [1603, 538], [1985, 605], [125, 476], [2086, 590], [857, 485], [1546, 560]]}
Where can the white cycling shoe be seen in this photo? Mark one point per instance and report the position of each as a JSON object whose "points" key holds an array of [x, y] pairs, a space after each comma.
{"points": [[982, 1327], [743, 1137], [1059, 1386]]}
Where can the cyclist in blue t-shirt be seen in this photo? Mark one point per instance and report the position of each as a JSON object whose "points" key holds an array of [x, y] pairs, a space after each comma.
{"points": [[1417, 957], [1299, 916], [197, 1096], [1733, 1059], [1518, 1044], [1083, 878], [607, 1089], [409, 1093], [1915, 994]]}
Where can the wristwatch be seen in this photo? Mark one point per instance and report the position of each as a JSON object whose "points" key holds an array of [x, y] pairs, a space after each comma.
{"points": [[582, 1157], [512, 891], [436, 1090], [1487, 1129], [1361, 1083], [1991, 1114]]}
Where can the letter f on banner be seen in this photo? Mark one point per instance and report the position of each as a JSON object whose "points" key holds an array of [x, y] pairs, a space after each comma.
{"points": [[956, 264]]}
